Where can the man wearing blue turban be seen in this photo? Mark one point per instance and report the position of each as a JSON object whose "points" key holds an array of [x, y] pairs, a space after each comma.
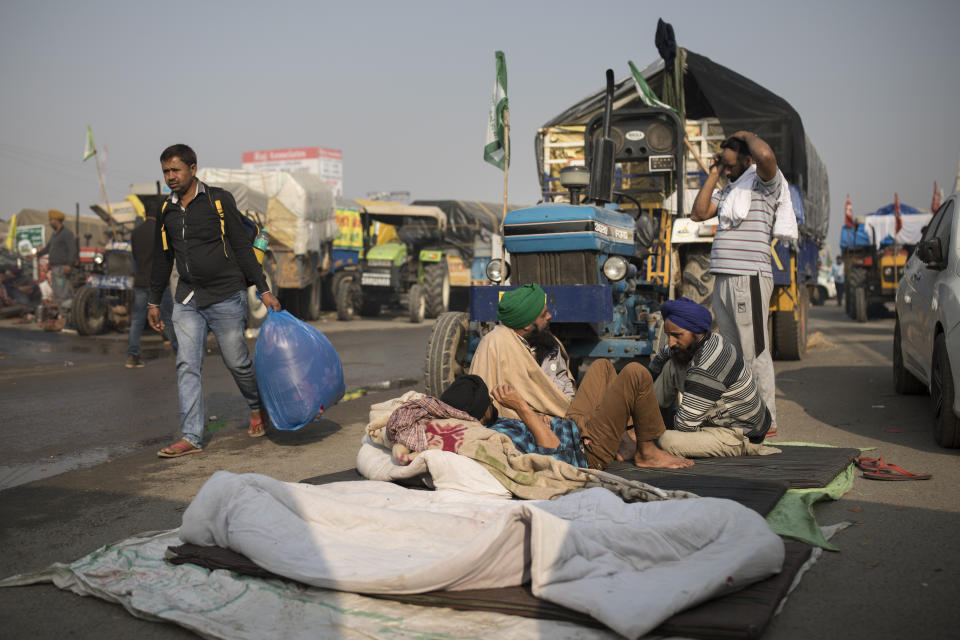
{"points": [[711, 404]]}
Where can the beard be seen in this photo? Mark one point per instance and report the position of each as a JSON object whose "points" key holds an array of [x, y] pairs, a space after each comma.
{"points": [[681, 355], [543, 343]]}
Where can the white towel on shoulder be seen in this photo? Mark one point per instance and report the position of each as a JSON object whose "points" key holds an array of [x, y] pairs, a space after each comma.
{"points": [[735, 206]]}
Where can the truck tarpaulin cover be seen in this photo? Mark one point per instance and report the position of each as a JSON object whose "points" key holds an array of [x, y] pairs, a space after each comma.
{"points": [[879, 227], [714, 91], [300, 209], [468, 220]]}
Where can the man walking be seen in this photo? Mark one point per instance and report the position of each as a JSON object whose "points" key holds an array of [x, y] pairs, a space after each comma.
{"points": [[141, 241], [740, 256], [200, 229], [62, 251], [836, 272]]}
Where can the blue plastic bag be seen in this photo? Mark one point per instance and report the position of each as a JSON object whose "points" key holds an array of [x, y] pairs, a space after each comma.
{"points": [[298, 371]]}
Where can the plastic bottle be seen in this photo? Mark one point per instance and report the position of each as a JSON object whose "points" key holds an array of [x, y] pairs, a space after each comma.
{"points": [[260, 244]]}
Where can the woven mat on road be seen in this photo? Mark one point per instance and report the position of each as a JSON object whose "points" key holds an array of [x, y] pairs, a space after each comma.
{"points": [[800, 467], [744, 614]]}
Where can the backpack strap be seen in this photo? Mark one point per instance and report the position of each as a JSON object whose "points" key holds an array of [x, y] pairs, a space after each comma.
{"points": [[163, 229], [219, 208]]}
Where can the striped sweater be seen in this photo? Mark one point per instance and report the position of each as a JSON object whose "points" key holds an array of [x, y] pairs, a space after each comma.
{"points": [[744, 249], [718, 391]]}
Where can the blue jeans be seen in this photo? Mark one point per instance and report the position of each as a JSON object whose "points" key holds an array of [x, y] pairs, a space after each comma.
{"points": [[227, 320], [138, 318]]}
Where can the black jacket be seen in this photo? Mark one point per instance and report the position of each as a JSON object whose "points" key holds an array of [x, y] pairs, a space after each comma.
{"points": [[214, 267], [141, 241]]}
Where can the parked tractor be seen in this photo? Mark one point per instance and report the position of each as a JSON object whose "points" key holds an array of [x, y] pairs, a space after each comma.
{"points": [[586, 253], [106, 300], [411, 268]]}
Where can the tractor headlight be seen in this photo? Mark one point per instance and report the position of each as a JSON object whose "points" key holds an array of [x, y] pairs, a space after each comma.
{"points": [[98, 259], [498, 270], [615, 268]]}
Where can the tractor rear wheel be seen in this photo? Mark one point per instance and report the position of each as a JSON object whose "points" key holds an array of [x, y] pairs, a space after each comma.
{"points": [[89, 312], [347, 295], [697, 281], [859, 304], [310, 300], [446, 352], [436, 286], [790, 330]]}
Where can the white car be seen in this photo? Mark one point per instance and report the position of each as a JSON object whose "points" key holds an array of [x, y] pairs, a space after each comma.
{"points": [[926, 339]]}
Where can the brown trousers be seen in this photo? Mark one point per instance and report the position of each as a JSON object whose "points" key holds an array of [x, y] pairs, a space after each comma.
{"points": [[605, 404]]}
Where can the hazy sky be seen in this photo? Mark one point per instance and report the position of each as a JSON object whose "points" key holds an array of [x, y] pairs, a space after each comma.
{"points": [[403, 88]]}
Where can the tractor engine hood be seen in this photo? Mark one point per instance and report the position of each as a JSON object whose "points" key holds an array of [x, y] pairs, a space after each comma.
{"points": [[565, 227]]}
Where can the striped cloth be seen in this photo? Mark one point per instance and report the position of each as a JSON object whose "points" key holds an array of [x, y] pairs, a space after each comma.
{"points": [[718, 391], [744, 248]]}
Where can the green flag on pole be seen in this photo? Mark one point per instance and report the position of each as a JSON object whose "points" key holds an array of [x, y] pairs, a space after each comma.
{"points": [[647, 95], [495, 147], [89, 149]]}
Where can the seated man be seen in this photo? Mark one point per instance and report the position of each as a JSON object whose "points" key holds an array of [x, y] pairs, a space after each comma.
{"points": [[522, 353], [720, 411]]}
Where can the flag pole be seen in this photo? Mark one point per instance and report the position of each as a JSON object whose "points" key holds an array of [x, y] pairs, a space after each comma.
{"points": [[506, 164], [103, 189]]}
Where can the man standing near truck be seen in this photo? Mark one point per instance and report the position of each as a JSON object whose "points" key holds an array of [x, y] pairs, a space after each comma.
{"points": [[62, 251], [200, 229], [740, 256]]}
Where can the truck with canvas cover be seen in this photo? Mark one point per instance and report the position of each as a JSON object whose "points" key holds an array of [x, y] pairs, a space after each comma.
{"points": [[713, 102], [874, 256], [407, 267], [301, 223], [585, 252], [472, 227]]}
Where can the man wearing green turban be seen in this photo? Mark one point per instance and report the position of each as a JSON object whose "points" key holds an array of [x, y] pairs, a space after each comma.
{"points": [[522, 352]]}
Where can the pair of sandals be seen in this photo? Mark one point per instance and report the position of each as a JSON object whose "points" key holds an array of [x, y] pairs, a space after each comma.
{"points": [[879, 469]]}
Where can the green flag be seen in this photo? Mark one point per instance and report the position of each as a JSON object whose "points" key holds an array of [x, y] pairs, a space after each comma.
{"points": [[89, 149], [495, 147], [647, 95]]}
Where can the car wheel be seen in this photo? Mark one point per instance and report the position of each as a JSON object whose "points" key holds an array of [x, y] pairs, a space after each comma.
{"points": [[903, 381], [946, 426]]}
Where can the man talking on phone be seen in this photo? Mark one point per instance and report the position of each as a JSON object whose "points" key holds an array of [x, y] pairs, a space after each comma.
{"points": [[740, 256]]}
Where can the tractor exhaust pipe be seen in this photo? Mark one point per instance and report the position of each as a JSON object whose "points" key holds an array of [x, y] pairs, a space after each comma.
{"points": [[604, 152]]}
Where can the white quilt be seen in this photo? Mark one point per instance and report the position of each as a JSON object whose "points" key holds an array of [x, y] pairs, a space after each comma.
{"points": [[630, 566]]}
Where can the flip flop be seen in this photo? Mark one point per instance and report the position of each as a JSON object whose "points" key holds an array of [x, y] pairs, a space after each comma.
{"points": [[182, 448], [868, 464], [889, 471]]}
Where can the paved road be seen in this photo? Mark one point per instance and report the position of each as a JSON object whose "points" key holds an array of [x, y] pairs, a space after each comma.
{"points": [[68, 401], [896, 575]]}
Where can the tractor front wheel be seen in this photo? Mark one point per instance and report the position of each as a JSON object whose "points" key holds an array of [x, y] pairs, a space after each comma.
{"points": [[89, 312], [446, 352]]}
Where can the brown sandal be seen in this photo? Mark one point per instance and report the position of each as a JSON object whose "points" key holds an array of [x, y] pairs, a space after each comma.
{"points": [[182, 448]]}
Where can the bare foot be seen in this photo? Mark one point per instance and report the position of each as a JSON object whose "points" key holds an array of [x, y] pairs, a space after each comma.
{"points": [[660, 459]]}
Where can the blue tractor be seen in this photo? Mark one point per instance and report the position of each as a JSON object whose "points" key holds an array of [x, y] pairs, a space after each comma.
{"points": [[593, 260]]}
